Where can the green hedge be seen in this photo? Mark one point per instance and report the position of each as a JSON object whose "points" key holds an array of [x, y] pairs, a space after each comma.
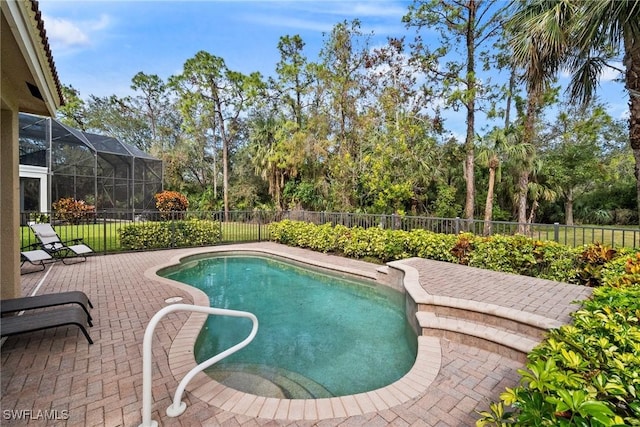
{"points": [[170, 234], [512, 254]]}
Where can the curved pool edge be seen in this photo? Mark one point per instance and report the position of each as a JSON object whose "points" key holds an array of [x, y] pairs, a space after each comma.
{"points": [[181, 359]]}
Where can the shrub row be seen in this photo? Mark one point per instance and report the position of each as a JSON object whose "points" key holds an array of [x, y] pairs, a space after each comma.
{"points": [[170, 234], [512, 254]]}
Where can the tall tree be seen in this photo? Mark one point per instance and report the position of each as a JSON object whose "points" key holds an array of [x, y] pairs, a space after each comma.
{"points": [[115, 116], [474, 24], [574, 156], [153, 102], [601, 30], [341, 73], [538, 39], [74, 111], [585, 37], [399, 137], [293, 76], [497, 146], [212, 99]]}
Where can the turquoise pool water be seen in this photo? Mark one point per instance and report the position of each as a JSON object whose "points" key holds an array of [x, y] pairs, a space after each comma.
{"points": [[319, 335]]}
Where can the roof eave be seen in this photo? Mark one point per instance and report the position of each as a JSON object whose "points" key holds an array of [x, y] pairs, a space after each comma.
{"points": [[25, 22]]}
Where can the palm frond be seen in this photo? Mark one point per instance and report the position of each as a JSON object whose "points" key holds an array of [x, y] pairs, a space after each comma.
{"points": [[585, 78]]}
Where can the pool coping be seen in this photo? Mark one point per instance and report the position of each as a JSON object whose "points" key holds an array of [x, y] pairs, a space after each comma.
{"points": [[181, 358]]}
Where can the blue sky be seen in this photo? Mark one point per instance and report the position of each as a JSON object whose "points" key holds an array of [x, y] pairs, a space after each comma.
{"points": [[98, 46]]}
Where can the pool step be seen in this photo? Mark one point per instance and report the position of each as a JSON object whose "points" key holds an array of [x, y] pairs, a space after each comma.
{"points": [[507, 331], [268, 381], [498, 340]]}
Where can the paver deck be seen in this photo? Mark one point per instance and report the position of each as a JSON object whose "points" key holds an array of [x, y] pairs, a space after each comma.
{"points": [[56, 374]]}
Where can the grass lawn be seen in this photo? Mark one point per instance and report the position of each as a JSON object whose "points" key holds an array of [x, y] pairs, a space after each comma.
{"points": [[104, 237], [618, 236]]}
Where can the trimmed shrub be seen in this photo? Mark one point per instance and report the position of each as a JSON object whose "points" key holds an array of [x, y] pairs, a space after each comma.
{"points": [[512, 254], [430, 245], [166, 234], [73, 211], [171, 201]]}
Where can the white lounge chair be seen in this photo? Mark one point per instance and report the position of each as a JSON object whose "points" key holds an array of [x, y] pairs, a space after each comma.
{"points": [[36, 257], [51, 243]]}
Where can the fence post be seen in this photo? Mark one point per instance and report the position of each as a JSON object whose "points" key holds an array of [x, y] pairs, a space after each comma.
{"points": [[104, 229], [556, 232], [260, 226], [456, 225], [173, 229]]}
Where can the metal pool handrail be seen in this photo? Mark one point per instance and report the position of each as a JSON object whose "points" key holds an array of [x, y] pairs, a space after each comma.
{"points": [[178, 407]]}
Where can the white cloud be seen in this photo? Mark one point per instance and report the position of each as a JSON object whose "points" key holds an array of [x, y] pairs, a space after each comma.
{"points": [[290, 22], [65, 33], [610, 74], [370, 9]]}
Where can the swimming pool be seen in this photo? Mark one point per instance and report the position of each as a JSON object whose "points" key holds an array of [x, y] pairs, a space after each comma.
{"points": [[319, 336]]}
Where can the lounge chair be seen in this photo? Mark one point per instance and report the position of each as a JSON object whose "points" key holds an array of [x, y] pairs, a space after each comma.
{"points": [[36, 257], [62, 316], [47, 300], [51, 243]]}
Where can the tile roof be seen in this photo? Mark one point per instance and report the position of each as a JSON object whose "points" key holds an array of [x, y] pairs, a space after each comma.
{"points": [[46, 47]]}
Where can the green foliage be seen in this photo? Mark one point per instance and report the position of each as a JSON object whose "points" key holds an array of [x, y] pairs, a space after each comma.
{"points": [[512, 254], [591, 262], [445, 205], [168, 234], [521, 255], [72, 211], [430, 245], [586, 373]]}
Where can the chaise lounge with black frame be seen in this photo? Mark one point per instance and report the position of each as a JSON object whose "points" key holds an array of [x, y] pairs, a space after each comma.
{"points": [[47, 300], [50, 242], [63, 316]]}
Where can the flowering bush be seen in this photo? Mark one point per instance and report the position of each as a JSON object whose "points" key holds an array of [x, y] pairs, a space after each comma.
{"points": [[171, 201], [71, 210]]}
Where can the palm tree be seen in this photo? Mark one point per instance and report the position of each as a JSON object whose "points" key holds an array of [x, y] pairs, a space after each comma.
{"points": [[583, 36], [539, 41], [601, 29], [497, 146]]}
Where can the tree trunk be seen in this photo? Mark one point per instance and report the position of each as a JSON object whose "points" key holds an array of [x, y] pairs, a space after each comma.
{"points": [[632, 82], [225, 159], [488, 208], [568, 208], [470, 104], [225, 178], [533, 94], [523, 187]]}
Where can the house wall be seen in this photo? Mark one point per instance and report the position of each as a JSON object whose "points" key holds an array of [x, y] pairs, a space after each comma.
{"points": [[25, 63], [9, 203], [41, 174]]}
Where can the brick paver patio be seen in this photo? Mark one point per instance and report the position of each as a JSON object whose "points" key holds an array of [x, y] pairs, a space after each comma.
{"points": [[57, 374]]}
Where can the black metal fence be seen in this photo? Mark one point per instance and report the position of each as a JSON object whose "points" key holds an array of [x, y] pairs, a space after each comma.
{"points": [[102, 230]]}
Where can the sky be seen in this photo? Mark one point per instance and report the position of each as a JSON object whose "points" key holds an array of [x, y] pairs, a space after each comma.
{"points": [[98, 46]]}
